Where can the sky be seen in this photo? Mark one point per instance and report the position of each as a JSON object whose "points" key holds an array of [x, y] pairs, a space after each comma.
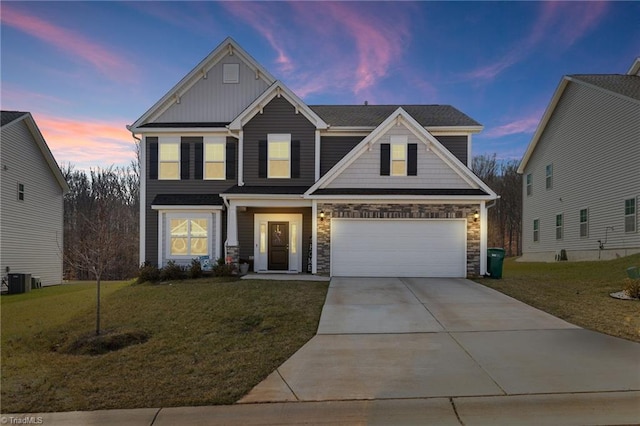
{"points": [[87, 69]]}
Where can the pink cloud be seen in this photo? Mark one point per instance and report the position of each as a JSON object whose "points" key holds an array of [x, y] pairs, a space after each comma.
{"points": [[522, 125], [87, 143], [67, 41]]}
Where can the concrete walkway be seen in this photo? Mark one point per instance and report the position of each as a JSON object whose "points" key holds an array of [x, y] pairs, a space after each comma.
{"points": [[426, 351]]}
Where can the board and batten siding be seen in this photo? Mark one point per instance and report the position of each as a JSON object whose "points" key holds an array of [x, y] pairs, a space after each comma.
{"points": [[211, 100], [31, 231], [156, 187], [433, 172], [279, 116], [592, 141]]}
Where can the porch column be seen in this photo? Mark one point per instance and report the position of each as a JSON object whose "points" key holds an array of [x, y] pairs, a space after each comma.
{"points": [[484, 229]]}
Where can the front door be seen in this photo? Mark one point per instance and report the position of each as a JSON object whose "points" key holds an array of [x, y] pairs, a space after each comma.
{"points": [[278, 246]]}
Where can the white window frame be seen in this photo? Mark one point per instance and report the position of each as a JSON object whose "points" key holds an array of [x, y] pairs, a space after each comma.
{"points": [[529, 184], [398, 141], [559, 228], [584, 225], [275, 138], [633, 216], [215, 140], [165, 142], [536, 230], [230, 73], [188, 216], [548, 173]]}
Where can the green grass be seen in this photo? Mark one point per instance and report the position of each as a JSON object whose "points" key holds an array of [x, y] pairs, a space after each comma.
{"points": [[577, 292], [211, 340]]}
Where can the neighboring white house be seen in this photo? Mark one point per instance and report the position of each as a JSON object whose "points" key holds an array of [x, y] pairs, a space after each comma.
{"points": [[32, 205], [581, 171]]}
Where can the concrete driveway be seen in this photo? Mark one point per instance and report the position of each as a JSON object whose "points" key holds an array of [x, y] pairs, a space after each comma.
{"points": [[397, 338]]}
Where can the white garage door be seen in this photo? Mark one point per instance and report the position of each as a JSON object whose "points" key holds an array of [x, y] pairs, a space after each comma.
{"points": [[398, 248]]}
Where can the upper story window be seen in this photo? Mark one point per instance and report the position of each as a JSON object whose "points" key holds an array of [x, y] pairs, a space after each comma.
{"points": [[549, 176], [169, 160], [584, 223], [214, 158], [398, 155], [536, 230], [20, 192], [559, 221], [630, 218], [231, 73], [279, 156]]}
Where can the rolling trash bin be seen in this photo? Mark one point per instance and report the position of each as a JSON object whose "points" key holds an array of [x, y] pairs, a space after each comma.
{"points": [[495, 257]]}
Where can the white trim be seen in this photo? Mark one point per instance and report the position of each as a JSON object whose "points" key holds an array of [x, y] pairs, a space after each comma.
{"points": [[217, 140], [409, 198], [165, 216], [200, 208], [268, 201], [314, 237], [278, 138], [179, 131], [142, 249], [261, 260], [484, 234], [317, 154], [240, 158]]}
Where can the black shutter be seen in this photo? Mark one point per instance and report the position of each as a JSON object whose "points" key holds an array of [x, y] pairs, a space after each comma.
{"points": [[230, 157], [412, 159], [197, 150], [153, 160], [184, 160], [295, 159], [262, 159], [385, 159]]}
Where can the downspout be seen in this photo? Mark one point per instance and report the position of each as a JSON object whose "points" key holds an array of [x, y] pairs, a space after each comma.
{"points": [[143, 197]]}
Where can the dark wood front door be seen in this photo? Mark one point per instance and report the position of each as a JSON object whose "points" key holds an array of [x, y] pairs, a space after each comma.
{"points": [[278, 246]]}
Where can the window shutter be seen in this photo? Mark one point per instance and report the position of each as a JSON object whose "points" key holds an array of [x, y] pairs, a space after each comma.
{"points": [[295, 159], [385, 159], [230, 157], [412, 159], [153, 160], [197, 150], [262, 159], [184, 160]]}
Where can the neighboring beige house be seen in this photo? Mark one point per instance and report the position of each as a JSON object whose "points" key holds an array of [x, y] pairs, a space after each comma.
{"points": [[31, 208], [581, 171]]}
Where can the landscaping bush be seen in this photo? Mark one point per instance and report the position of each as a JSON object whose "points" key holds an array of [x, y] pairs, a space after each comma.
{"points": [[148, 273], [223, 269], [632, 288], [172, 271], [195, 270]]}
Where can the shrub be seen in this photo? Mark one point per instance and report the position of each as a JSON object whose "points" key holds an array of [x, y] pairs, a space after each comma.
{"points": [[148, 273], [195, 270], [222, 269], [172, 271], [632, 287]]}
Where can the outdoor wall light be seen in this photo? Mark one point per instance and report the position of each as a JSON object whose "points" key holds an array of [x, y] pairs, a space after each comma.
{"points": [[476, 216], [321, 215]]}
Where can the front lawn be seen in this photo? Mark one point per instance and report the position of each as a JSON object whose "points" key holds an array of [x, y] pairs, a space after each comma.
{"points": [[577, 292], [209, 342]]}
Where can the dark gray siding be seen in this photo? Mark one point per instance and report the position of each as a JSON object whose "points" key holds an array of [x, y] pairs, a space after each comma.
{"points": [[334, 148], [246, 230], [279, 117], [190, 186], [457, 145]]}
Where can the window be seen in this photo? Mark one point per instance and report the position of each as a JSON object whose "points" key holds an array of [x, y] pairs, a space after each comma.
{"points": [[231, 73], [188, 237], [558, 226], [536, 230], [214, 161], [630, 215], [398, 155], [21, 192], [169, 160], [549, 176], [529, 184], [279, 152], [584, 223]]}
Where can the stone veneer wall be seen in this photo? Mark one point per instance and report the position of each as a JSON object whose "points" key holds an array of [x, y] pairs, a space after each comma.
{"points": [[399, 211], [233, 256]]}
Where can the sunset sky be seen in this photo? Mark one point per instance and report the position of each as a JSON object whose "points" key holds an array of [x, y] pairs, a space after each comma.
{"points": [[87, 69]]}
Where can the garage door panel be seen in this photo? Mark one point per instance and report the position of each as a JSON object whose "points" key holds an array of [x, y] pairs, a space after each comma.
{"points": [[405, 248]]}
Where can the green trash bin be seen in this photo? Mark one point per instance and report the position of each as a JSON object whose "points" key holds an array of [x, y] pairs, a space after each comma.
{"points": [[495, 257]]}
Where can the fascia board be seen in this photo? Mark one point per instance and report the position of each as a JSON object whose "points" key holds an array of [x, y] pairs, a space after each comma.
{"points": [[262, 196], [277, 89], [543, 124], [406, 198], [186, 208], [197, 72], [150, 131]]}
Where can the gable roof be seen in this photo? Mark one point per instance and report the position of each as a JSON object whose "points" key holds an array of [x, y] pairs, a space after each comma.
{"points": [[402, 116], [228, 45], [9, 118], [280, 90], [374, 115], [624, 86]]}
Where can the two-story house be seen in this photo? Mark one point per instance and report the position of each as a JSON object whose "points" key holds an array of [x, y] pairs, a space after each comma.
{"points": [[582, 171], [32, 201], [236, 165]]}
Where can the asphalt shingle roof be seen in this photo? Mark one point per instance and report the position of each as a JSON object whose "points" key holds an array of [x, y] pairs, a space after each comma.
{"points": [[278, 190], [7, 117], [626, 85], [373, 115], [187, 200]]}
